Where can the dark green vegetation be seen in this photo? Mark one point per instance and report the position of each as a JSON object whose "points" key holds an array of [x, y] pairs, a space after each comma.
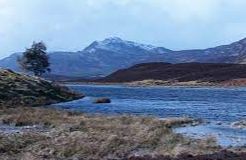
{"points": [[17, 89], [35, 59]]}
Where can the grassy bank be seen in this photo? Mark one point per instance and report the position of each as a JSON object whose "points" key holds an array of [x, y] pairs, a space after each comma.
{"points": [[229, 83], [73, 135], [161, 83], [17, 89]]}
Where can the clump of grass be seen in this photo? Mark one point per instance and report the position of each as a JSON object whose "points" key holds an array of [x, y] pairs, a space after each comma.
{"points": [[15, 144], [26, 116], [182, 121]]}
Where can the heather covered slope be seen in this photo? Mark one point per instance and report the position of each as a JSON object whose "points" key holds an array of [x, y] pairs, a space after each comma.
{"points": [[17, 89], [184, 72]]}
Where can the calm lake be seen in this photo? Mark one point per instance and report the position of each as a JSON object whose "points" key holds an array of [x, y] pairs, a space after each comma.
{"points": [[219, 107]]}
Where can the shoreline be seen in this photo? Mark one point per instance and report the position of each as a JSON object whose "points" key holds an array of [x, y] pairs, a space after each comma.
{"points": [[215, 85]]}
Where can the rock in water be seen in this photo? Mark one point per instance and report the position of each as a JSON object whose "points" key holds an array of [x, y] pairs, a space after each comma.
{"points": [[18, 90], [102, 100], [239, 124]]}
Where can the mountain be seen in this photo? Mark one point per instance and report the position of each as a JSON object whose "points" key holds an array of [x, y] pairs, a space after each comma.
{"points": [[102, 58], [183, 72], [98, 59], [10, 62], [232, 53]]}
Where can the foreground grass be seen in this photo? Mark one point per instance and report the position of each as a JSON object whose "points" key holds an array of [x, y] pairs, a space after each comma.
{"points": [[73, 135]]}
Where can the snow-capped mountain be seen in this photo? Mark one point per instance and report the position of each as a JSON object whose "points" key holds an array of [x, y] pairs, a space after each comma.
{"points": [[101, 58], [117, 44]]}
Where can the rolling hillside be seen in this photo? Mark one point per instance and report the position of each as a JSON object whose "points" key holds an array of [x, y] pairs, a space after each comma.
{"points": [[183, 72]]}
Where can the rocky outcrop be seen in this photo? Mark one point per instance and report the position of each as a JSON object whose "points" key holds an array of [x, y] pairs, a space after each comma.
{"points": [[17, 89]]}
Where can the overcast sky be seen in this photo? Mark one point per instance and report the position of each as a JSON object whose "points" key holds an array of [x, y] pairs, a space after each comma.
{"points": [[70, 25]]}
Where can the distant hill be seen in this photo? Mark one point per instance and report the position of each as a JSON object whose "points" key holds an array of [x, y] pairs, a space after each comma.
{"points": [[102, 58], [232, 53], [184, 72]]}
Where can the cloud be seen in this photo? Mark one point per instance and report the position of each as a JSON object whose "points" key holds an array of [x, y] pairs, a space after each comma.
{"points": [[73, 24]]}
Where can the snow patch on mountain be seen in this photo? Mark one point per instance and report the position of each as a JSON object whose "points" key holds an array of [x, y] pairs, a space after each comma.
{"points": [[116, 44]]}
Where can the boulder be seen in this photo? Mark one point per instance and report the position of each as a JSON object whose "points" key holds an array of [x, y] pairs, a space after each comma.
{"points": [[239, 124], [102, 100]]}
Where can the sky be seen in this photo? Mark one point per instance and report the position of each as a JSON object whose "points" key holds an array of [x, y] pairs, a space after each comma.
{"points": [[71, 25]]}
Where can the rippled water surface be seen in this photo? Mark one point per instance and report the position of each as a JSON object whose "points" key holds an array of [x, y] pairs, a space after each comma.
{"points": [[220, 104], [215, 105]]}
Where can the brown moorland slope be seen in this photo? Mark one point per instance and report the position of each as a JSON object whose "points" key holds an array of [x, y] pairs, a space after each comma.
{"points": [[183, 72]]}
